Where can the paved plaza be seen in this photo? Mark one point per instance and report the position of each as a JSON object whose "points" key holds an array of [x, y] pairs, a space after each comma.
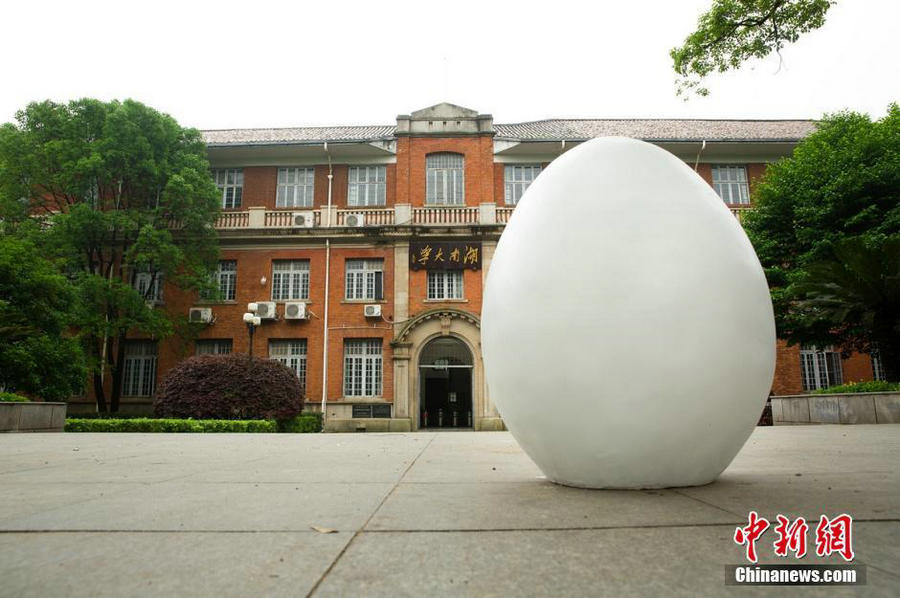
{"points": [[423, 514]]}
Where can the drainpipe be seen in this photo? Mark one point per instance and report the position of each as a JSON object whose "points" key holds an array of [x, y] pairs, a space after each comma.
{"points": [[327, 289], [697, 161]]}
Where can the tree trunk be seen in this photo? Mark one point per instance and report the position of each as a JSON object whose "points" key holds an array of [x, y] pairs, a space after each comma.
{"points": [[99, 394], [117, 371]]}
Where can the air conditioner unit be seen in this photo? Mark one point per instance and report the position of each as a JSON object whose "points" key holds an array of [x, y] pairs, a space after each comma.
{"points": [[200, 314], [354, 220], [295, 310], [304, 219], [373, 311], [266, 310]]}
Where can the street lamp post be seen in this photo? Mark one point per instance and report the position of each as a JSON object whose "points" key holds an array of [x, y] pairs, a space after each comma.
{"points": [[252, 321]]}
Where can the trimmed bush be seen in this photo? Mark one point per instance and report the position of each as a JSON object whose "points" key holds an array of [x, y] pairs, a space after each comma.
{"points": [[870, 386], [11, 397], [169, 425], [302, 424], [229, 387]]}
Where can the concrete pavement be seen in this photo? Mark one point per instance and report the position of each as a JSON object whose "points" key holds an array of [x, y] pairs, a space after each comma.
{"points": [[423, 514]]}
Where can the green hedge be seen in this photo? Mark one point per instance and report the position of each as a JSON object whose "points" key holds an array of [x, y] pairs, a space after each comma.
{"points": [[302, 424], [9, 397], [169, 425], [870, 386]]}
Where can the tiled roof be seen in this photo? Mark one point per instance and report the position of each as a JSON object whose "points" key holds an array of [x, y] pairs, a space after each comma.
{"points": [[296, 135], [659, 129], [544, 130]]}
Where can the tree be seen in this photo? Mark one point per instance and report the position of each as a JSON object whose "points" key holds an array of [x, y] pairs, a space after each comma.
{"points": [[37, 355], [826, 227], [125, 190], [734, 31]]}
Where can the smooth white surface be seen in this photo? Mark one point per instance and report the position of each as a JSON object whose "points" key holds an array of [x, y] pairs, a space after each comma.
{"points": [[627, 329]]}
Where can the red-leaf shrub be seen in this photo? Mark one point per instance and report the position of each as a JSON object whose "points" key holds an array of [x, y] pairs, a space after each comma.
{"points": [[229, 387]]}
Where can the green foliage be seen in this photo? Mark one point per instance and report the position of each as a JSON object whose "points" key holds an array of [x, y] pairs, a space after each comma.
{"points": [[121, 189], [734, 31], [869, 386], [170, 425], [304, 423], [37, 354], [826, 227], [9, 397]]}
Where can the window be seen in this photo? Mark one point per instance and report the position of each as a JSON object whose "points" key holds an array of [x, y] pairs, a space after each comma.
{"points": [[444, 179], [295, 188], [877, 365], [220, 346], [362, 368], [730, 182], [290, 280], [148, 283], [820, 368], [139, 370], [445, 284], [365, 279], [517, 178], [225, 279], [230, 182], [366, 186], [291, 353]]}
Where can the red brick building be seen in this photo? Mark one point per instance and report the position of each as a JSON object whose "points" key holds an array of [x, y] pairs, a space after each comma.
{"points": [[367, 249]]}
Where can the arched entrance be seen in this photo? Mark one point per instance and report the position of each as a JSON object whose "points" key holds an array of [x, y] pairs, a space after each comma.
{"points": [[445, 384]]}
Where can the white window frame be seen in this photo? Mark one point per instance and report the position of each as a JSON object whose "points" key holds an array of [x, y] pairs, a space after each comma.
{"points": [[230, 182], [731, 183], [445, 179], [139, 369], [877, 365], [225, 277], [445, 284], [213, 346], [516, 179], [147, 280], [366, 186], [290, 280], [296, 187], [362, 367], [292, 353], [820, 368], [364, 279]]}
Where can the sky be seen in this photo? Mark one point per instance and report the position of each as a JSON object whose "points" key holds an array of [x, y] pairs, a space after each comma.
{"points": [[230, 64]]}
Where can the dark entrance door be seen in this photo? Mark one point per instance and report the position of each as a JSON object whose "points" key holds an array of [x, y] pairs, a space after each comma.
{"points": [[445, 375]]}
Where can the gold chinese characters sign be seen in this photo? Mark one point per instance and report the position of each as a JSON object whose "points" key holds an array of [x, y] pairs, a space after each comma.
{"points": [[444, 255]]}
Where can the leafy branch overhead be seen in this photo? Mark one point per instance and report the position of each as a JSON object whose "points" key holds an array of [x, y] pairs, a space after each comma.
{"points": [[734, 31]]}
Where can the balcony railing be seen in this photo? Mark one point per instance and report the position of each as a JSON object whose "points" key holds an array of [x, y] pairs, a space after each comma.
{"points": [[401, 214], [739, 212]]}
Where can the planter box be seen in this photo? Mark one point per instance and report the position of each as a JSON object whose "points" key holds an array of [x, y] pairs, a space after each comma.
{"points": [[32, 417], [850, 408]]}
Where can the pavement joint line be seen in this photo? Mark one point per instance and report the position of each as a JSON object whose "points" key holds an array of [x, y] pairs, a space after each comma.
{"points": [[707, 503], [400, 530], [374, 512]]}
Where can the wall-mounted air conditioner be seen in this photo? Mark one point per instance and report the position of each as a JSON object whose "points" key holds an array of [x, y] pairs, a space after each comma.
{"points": [[304, 219], [266, 310], [373, 311], [202, 315], [295, 310], [354, 220]]}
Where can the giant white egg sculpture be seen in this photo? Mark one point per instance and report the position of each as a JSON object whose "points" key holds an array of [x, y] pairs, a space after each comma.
{"points": [[627, 330]]}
